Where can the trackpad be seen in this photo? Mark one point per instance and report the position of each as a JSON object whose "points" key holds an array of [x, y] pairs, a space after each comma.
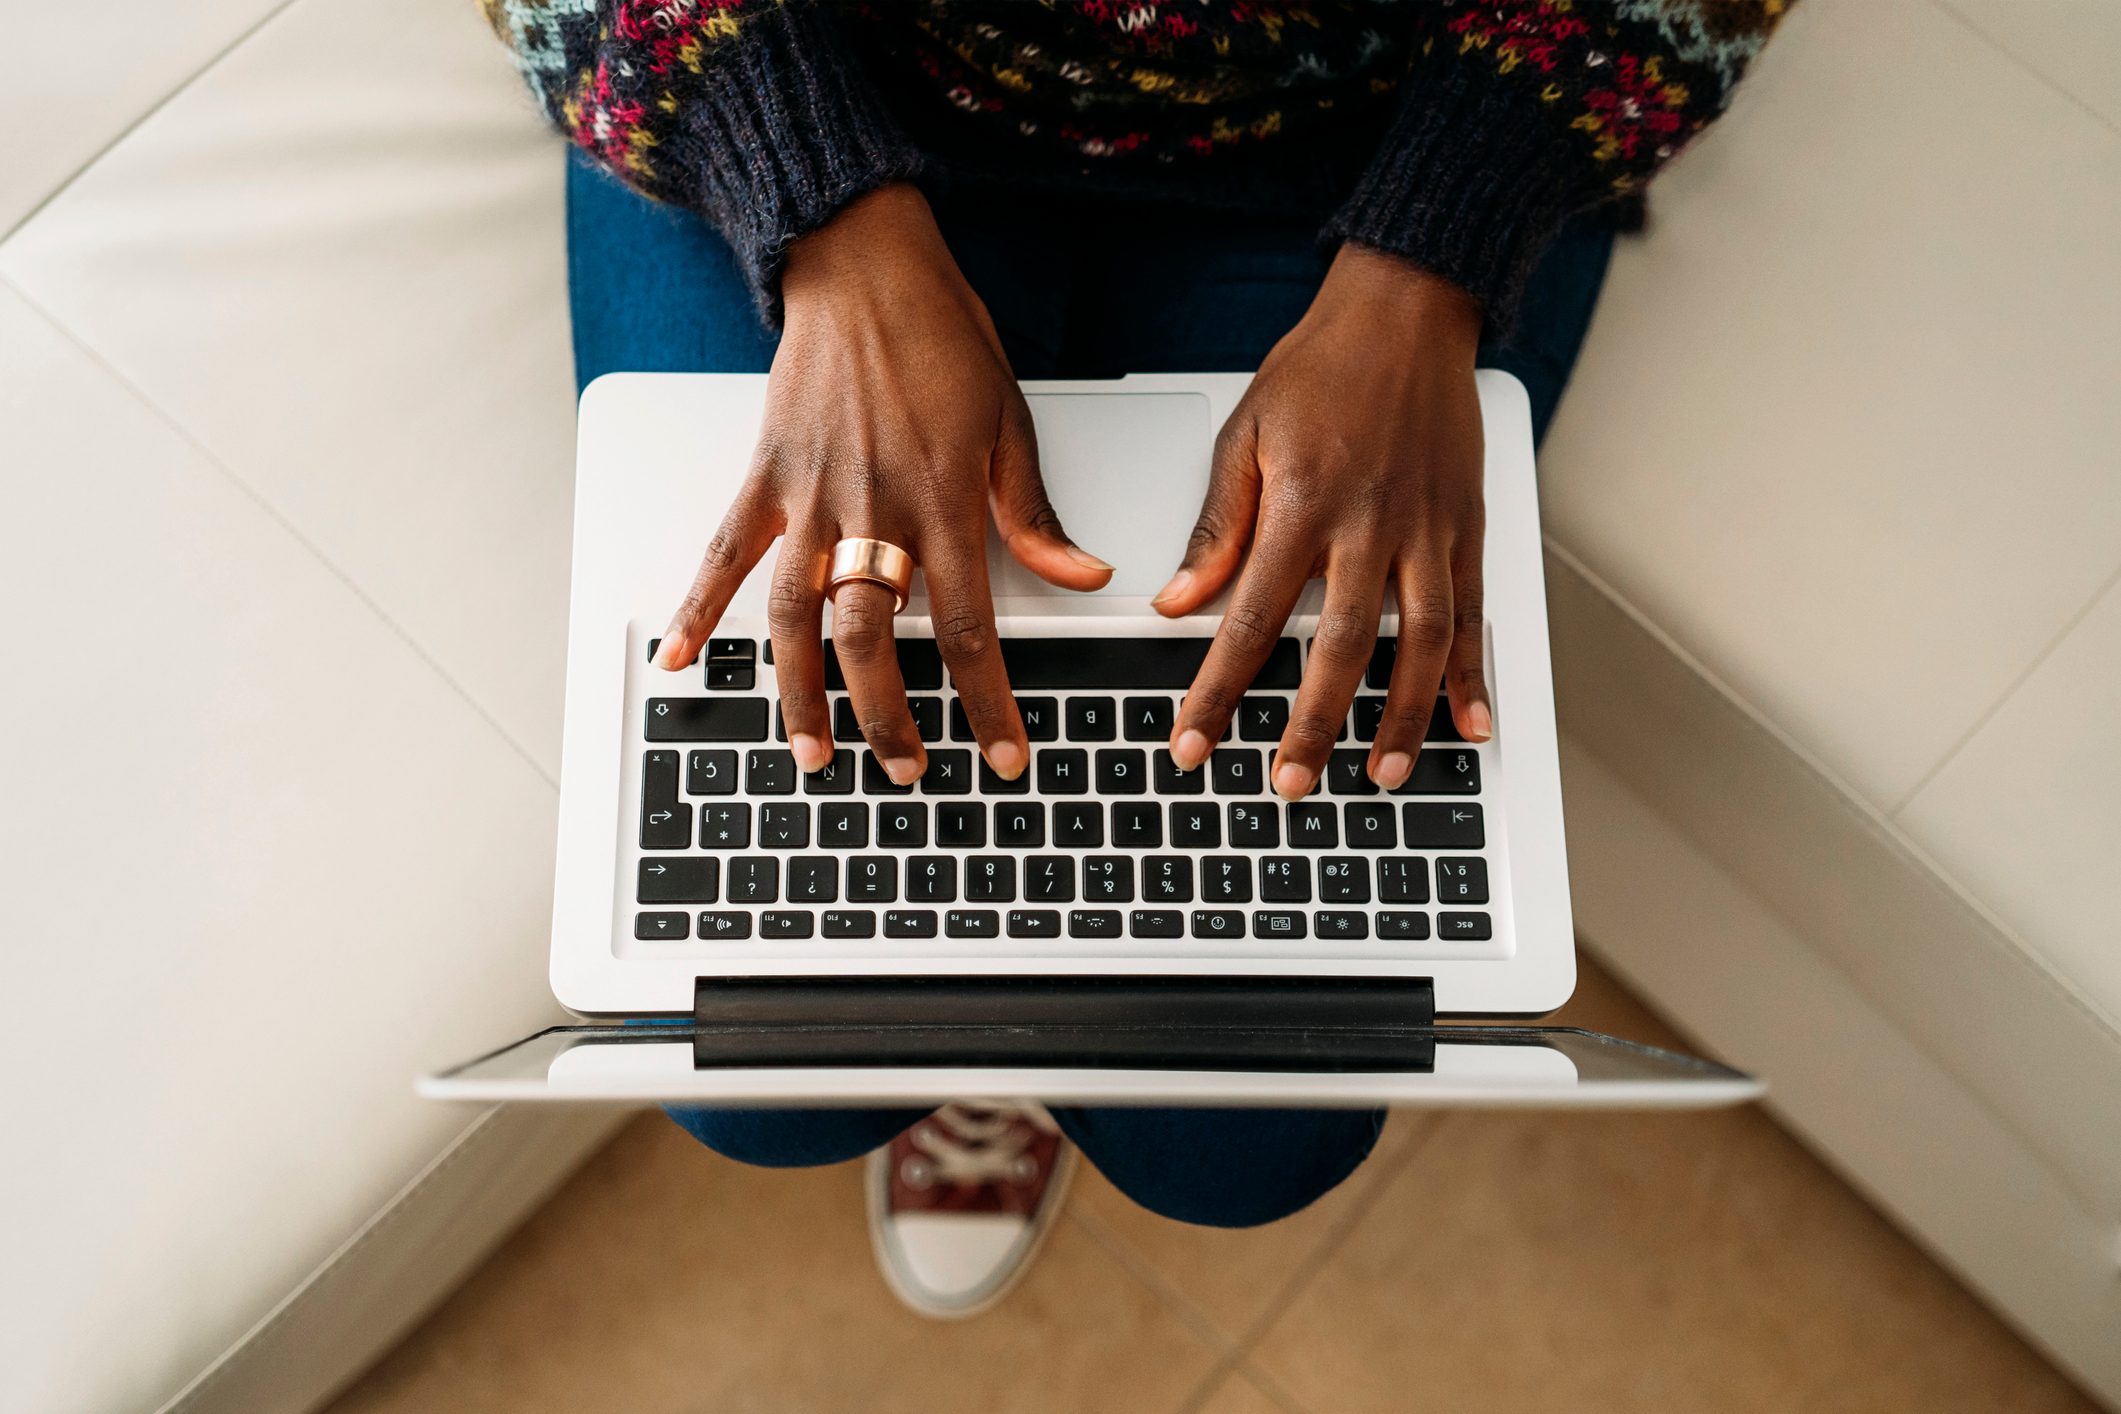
{"points": [[1126, 472]]}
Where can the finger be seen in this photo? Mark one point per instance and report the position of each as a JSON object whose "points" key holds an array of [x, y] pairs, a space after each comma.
{"points": [[1280, 565], [1029, 526], [1463, 673], [1340, 654], [962, 606], [862, 612], [738, 542], [794, 612], [1423, 587], [1227, 515]]}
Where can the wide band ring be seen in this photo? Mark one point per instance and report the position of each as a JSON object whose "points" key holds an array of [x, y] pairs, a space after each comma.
{"points": [[858, 558]]}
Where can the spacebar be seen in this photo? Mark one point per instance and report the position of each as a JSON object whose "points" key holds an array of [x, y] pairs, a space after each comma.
{"points": [[1128, 662]]}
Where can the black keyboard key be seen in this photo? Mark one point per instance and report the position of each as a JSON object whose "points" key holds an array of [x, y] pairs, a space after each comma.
{"points": [[1379, 675], [1446, 772], [1049, 878], [813, 879], [1218, 923], [1348, 773], [1108, 878], [1402, 880], [1339, 925], [931, 878], [1461, 881], [1063, 770], [662, 927], [1041, 717], [731, 677], [754, 881], [1166, 779], [1403, 926], [961, 825], [1078, 824], [927, 717], [666, 821], [1129, 664], [843, 826], [1196, 826], [948, 773], [710, 773], [1314, 824], [872, 879], [1238, 771], [1093, 923], [1019, 825], [679, 880], [844, 725], [1146, 718], [706, 719], [1122, 770], [849, 923], [725, 826], [1370, 712], [1255, 826], [784, 826], [990, 878], [1226, 879], [901, 824], [920, 666], [972, 923], [1277, 923], [1443, 826], [1262, 718], [653, 644], [724, 927], [1156, 923], [1167, 878], [787, 923], [1091, 719], [835, 777], [1370, 826], [1034, 923], [992, 784], [909, 923], [769, 772], [1284, 878], [875, 782], [1343, 878], [1137, 824], [1465, 927], [736, 650]]}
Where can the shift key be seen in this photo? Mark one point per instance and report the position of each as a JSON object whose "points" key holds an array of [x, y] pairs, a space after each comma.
{"points": [[706, 719]]}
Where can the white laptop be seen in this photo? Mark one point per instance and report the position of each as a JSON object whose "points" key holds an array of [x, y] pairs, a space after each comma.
{"points": [[1107, 929]]}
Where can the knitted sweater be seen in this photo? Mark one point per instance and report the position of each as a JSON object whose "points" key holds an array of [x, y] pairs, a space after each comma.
{"points": [[1460, 134]]}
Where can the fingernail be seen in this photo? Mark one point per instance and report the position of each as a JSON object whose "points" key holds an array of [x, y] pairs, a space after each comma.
{"points": [[1180, 583], [1293, 782], [1483, 725], [1190, 749], [1008, 759], [810, 753], [1088, 561], [1393, 770], [903, 770]]}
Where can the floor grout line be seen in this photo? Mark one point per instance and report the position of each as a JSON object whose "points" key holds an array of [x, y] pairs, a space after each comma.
{"points": [[1971, 26], [272, 512], [1142, 1271]]}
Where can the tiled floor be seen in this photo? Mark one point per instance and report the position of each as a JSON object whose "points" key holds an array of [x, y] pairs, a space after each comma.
{"points": [[1508, 1262]]}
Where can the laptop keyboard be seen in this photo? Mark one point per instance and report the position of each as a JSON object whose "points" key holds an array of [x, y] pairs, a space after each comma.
{"points": [[1101, 839]]}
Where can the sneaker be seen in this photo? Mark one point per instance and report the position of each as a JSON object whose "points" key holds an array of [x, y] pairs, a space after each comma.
{"points": [[960, 1202]]}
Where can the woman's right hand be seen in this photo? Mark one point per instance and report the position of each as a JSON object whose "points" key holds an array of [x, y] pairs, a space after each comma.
{"points": [[890, 413]]}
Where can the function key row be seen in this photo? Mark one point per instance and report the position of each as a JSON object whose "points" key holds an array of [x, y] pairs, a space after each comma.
{"points": [[1283, 924]]}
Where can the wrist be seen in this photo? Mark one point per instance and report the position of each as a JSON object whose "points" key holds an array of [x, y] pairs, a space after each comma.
{"points": [[881, 235], [1394, 291]]}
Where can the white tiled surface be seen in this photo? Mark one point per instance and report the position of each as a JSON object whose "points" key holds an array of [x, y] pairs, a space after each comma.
{"points": [[1847, 423], [2073, 44], [365, 317], [2031, 807]]}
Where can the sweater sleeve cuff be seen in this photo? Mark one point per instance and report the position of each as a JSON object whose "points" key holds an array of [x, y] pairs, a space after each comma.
{"points": [[1471, 182], [789, 133]]}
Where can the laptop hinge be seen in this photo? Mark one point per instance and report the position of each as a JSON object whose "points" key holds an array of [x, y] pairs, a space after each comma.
{"points": [[1152, 1023]]}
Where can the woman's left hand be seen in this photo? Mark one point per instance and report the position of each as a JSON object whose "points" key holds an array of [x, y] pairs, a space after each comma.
{"points": [[1356, 454]]}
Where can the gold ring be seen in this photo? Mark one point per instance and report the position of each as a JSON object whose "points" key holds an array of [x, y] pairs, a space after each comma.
{"points": [[858, 558]]}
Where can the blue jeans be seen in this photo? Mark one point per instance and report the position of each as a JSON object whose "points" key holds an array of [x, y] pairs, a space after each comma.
{"points": [[1078, 288]]}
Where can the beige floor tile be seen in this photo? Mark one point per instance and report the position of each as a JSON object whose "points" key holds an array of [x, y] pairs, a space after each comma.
{"points": [[1637, 1262], [1239, 1395], [664, 1278]]}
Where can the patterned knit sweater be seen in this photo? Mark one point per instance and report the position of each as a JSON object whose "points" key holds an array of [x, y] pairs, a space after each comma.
{"points": [[1460, 134]]}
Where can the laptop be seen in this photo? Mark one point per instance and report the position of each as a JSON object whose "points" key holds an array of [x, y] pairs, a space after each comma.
{"points": [[1106, 929]]}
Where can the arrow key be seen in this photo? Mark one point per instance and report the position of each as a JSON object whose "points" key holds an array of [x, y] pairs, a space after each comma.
{"points": [[678, 880]]}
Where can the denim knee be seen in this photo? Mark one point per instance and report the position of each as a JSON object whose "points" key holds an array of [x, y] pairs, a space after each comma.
{"points": [[792, 1138], [1224, 1167]]}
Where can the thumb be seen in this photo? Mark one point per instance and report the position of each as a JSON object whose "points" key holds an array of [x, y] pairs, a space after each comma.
{"points": [[1029, 526], [1227, 514]]}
